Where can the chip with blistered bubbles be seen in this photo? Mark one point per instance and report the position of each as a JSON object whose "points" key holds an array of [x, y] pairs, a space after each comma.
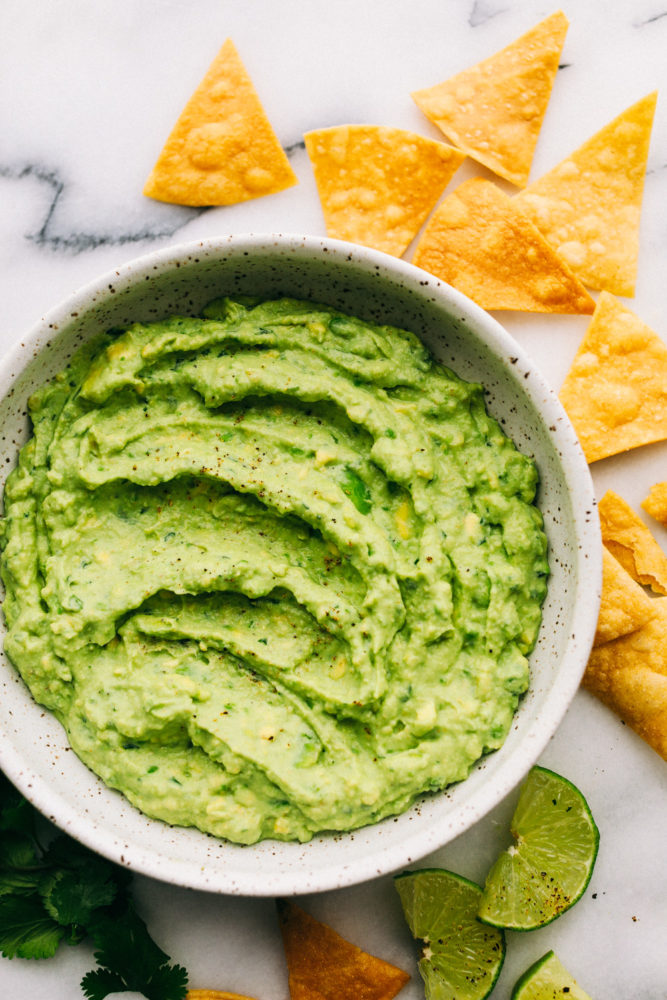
{"points": [[222, 150], [615, 392], [629, 675], [494, 110], [480, 242], [377, 184], [589, 205]]}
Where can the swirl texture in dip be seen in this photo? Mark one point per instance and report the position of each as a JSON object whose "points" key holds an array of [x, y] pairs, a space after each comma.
{"points": [[275, 569]]}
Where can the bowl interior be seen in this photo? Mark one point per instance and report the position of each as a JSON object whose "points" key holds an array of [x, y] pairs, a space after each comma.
{"points": [[33, 749]]}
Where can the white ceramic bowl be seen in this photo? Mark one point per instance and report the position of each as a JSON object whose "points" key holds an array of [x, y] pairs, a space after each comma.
{"points": [[33, 749]]}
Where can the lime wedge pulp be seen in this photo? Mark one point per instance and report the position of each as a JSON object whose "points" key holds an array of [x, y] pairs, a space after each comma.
{"points": [[547, 979], [461, 957], [550, 864]]}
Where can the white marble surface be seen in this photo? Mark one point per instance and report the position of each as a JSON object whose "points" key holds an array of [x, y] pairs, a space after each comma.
{"points": [[88, 92]]}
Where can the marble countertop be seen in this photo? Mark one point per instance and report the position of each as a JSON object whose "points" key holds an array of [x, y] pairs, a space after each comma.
{"points": [[88, 93]]}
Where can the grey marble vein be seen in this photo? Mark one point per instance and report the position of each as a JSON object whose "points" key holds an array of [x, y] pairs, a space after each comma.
{"points": [[47, 234], [650, 20], [483, 11]]}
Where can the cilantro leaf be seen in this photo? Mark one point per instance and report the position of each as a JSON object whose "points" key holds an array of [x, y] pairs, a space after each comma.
{"points": [[355, 488], [20, 883], [126, 945], [20, 868], [72, 895], [168, 982], [17, 850], [66, 892], [99, 983], [64, 852], [16, 813], [126, 948], [26, 930]]}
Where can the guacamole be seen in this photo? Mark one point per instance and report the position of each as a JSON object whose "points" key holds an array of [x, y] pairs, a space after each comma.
{"points": [[274, 569]]}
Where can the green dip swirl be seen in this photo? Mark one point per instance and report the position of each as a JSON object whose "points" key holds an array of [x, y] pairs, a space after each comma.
{"points": [[274, 569]]}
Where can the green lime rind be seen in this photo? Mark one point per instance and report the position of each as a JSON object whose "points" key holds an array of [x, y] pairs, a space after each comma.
{"points": [[461, 957], [550, 864], [547, 979]]}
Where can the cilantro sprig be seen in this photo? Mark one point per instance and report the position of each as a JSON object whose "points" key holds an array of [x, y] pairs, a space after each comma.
{"points": [[65, 893]]}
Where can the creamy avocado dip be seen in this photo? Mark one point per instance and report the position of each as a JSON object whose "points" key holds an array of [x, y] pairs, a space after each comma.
{"points": [[274, 569]]}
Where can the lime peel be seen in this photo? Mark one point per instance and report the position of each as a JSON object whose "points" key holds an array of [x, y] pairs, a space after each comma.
{"points": [[550, 864], [547, 979], [461, 957]]}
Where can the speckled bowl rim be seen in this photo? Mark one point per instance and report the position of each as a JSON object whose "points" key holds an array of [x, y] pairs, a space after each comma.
{"points": [[177, 856]]}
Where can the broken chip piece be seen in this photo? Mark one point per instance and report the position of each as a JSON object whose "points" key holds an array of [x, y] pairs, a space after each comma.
{"points": [[494, 110], [589, 205], [615, 392], [624, 605], [378, 184], [481, 243], [324, 966], [222, 150], [628, 538], [214, 995], [655, 503], [629, 675]]}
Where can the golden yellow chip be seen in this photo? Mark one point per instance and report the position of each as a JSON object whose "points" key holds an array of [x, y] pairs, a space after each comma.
{"points": [[481, 243], [655, 503], [630, 676], [624, 605], [494, 110], [377, 184], [615, 392], [627, 537], [222, 149], [324, 966], [589, 205], [214, 995]]}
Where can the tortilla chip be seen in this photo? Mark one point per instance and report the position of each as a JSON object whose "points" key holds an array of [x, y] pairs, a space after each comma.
{"points": [[479, 242], [222, 150], [616, 390], [377, 184], [214, 995], [324, 966], [627, 537], [630, 676], [624, 605], [494, 110], [589, 205], [655, 503]]}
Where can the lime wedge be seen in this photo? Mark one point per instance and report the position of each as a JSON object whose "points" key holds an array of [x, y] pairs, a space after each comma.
{"points": [[547, 979], [549, 866], [461, 957]]}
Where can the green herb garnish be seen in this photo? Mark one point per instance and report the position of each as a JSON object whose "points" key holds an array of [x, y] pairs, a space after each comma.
{"points": [[355, 488], [64, 892]]}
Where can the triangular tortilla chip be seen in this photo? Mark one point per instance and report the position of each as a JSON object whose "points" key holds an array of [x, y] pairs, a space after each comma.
{"points": [[589, 205], [222, 149], [630, 676], [479, 242], [378, 184], [494, 110], [655, 503], [627, 537], [624, 605], [324, 966], [615, 392]]}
